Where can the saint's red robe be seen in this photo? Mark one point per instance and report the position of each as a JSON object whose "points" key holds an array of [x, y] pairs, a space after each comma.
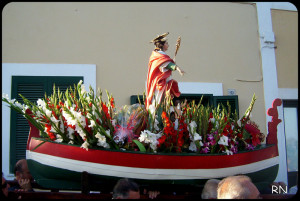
{"points": [[157, 79]]}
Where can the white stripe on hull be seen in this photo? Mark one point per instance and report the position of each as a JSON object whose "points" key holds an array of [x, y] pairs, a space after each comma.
{"points": [[148, 173]]}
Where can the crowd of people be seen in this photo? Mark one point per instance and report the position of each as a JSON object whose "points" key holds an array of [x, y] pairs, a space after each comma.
{"points": [[232, 187]]}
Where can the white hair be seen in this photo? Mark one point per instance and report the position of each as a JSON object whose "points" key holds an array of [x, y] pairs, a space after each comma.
{"points": [[210, 189], [234, 187]]}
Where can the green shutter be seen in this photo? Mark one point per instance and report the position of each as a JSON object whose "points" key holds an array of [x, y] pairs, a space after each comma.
{"points": [[33, 88], [206, 100], [233, 102], [134, 99]]}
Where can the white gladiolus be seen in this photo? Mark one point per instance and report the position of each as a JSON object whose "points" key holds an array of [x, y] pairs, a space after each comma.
{"points": [[4, 95], [85, 145], [88, 99], [143, 136], [239, 122], [12, 101], [152, 109], [83, 91], [150, 138], [102, 141], [18, 105], [176, 124], [38, 114], [52, 129], [80, 132], [93, 124], [58, 138], [25, 107], [228, 152], [156, 125], [197, 137], [223, 140], [217, 124], [193, 147], [48, 112], [61, 125], [41, 103], [89, 115], [52, 118], [70, 133], [192, 126]]}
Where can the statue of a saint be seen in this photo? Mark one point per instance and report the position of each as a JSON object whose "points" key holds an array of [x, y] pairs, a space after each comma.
{"points": [[160, 67]]}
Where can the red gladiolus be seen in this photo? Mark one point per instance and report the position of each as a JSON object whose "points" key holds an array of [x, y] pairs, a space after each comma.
{"points": [[164, 115], [161, 140], [98, 121], [255, 140], [53, 113], [71, 126], [112, 102], [89, 129], [105, 109], [50, 134], [254, 131]]}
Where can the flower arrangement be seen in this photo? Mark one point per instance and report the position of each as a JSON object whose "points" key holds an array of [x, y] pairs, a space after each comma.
{"points": [[83, 118]]}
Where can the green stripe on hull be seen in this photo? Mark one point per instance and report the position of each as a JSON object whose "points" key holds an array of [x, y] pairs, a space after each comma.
{"points": [[57, 178]]}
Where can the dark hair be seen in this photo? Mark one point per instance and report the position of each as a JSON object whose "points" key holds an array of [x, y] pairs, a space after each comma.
{"points": [[18, 167], [123, 187], [159, 45]]}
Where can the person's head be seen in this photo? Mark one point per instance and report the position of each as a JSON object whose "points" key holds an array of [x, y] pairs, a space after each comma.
{"points": [[126, 189], [161, 42], [237, 187], [21, 170], [162, 45], [5, 187], [210, 189]]}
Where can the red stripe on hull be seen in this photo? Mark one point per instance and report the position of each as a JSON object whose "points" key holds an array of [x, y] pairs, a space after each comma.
{"points": [[155, 161]]}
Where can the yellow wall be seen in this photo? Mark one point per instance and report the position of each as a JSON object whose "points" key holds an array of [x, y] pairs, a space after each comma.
{"points": [[220, 43], [285, 26]]}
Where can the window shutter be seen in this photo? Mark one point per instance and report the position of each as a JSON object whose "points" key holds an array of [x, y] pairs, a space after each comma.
{"points": [[233, 102], [134, 99], [32, 88], [206, 100]]}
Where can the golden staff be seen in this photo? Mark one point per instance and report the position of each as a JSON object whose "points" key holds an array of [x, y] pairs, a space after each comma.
{"points": [[177, 46]]}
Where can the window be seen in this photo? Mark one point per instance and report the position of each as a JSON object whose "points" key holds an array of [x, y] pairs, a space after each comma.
{"points": [[290, 115], [208, 99], [32, 88]]}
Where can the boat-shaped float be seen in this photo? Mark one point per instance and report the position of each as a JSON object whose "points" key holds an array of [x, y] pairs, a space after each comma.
{"points": [[58, 165]]}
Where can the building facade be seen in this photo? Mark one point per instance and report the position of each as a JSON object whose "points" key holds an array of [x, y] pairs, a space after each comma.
{"points": [[239, 48]]}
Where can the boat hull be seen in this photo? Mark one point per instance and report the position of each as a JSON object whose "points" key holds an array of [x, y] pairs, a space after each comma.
{"points": [[60, 166]]}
